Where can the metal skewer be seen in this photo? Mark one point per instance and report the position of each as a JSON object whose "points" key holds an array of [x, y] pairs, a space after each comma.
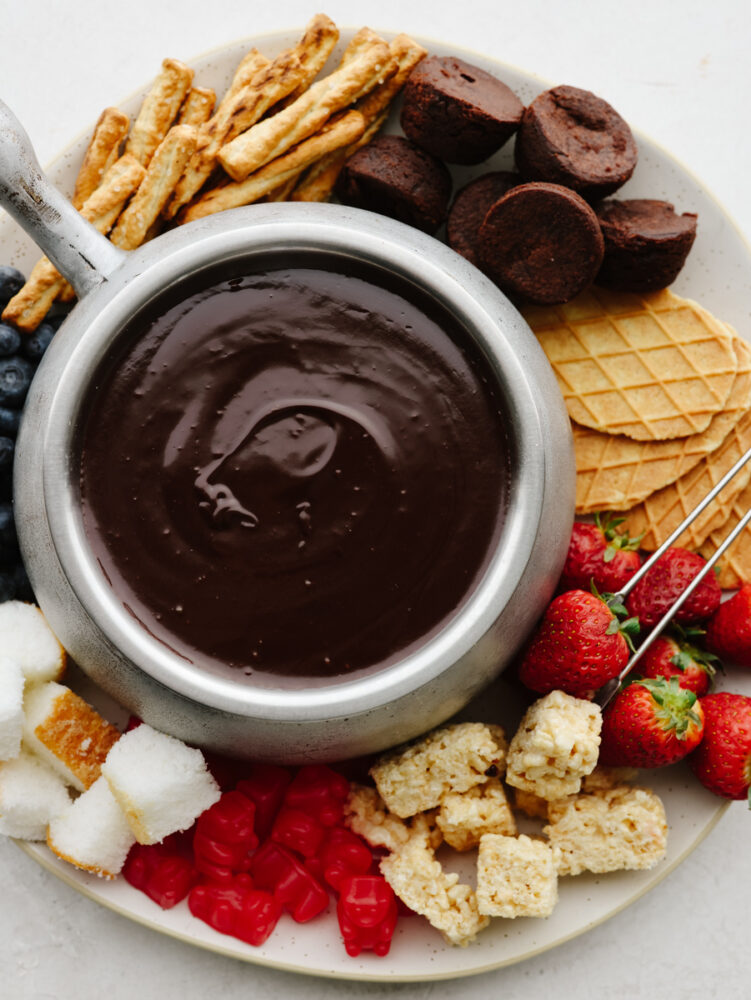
{"points": [[608, 690]]}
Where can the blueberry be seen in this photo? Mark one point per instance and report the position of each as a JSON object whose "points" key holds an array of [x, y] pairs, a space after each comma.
{"points": [[35, 345], [11, 281], [23, 585], [6, 486], [15, 379], [9, 422], [7, 447], [8, 537], [10, 340]]}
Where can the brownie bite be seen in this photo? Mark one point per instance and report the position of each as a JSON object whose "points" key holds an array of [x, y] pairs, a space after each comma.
{"points": [[470, 207], [541, 243], [569, 136], [457, 111], [393, 176], [646, 244]]}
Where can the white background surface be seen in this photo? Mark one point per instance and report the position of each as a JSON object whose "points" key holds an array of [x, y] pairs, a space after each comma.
{"points": [[678, 70]]}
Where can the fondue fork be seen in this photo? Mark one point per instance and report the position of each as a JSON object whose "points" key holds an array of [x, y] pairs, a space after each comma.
{"points": [[608, 691]]}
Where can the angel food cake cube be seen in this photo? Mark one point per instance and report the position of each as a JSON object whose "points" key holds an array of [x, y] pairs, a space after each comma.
{"points": [[611, 829], [452, 759], [26, 638], [464, 817], [555, 746], [516, 877], [162, 785], [11, 708], [31, 795], [92, 833]]}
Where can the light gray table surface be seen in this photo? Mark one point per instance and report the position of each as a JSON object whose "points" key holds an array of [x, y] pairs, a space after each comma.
{"points": [[678, 70]]}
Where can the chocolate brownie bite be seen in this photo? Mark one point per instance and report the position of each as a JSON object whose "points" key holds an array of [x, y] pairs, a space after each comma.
{"points": [[541, 243], [470, 207], [394, 177], [457, 111], [646, 244], [569, 136]]}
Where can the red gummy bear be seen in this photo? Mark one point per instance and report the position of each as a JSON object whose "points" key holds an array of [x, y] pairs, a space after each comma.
{"points": [[265, 787], [224, 835], [298, 830], [236, 908], [343, 854], [320, 792], [162, 871], [367, 914], [275, 868]]}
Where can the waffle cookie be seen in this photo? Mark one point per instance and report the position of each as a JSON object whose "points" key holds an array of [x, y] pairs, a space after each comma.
{"points": [[735, 565], [614, 472], [661, 513], [652, 367]]}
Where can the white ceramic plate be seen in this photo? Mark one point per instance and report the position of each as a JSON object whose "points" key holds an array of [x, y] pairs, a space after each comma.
{"points": [[718, 274]]}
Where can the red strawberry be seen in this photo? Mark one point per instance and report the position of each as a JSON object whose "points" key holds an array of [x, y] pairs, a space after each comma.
{"points": [[675, 655], [597, 552], [650, 723], [722, 761], [666, 581], [579, 645], [729, 628]]}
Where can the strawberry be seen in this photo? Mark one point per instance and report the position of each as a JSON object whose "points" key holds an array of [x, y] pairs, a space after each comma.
{"points": [[597, 552], [650, 723], [579, 645], [722, 761], [729, 628], [675, 655], [653, 596]]}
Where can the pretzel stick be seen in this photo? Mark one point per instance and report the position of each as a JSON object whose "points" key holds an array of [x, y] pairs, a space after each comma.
{"points": [[338, 131], [250, 64], [159, 109], [283, 192], [27, 309], [320, 38], [270, 138], [101, 153], [318, 182], [197, 106], [269, 85], [162, 173]]}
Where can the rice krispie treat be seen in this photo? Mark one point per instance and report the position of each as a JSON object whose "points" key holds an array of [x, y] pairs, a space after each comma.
{"points": [[464, 817], [452, 759], [608, 830], [556, 744], [516, 877], [607, 777], [530, 804], [365, 813], [419, 880]]}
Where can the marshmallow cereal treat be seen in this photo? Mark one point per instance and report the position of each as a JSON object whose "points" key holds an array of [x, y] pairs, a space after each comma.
{"points": [[465, 817], [11, 708], [451, 759], [161, 784], [365, 813], [516, 877], [92, 833], [608, 830], [556, 744], [31, 795], [419, 880], [66, 732], [26, 638], [530, 804]]}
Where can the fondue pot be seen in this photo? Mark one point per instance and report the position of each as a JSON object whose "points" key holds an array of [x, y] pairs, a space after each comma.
{"points": [[339, 717]]}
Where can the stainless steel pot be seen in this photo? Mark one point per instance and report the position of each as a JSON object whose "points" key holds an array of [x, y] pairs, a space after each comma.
{"points": [[341, 718]]}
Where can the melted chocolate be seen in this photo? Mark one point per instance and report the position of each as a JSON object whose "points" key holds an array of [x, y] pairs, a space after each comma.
{"points": [[293, 474]]}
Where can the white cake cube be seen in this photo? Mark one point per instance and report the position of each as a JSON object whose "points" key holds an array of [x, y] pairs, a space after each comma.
{"points": [[92, 833], [161, 784], [31, 795], [26, 638], [11, 708]]}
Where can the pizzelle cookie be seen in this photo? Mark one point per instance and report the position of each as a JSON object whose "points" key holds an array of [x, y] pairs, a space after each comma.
{"points": [[735, 565], [652, 367], [661, 513], [614, 472]]}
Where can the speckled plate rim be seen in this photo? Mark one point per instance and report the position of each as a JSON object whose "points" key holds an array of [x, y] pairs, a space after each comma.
{"points": [[639, 883]]}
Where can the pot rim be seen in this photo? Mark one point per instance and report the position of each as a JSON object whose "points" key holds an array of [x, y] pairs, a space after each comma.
{"points": [[250, 234]]}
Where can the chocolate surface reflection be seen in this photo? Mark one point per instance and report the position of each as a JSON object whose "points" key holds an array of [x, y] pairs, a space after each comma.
{"points": [[294, 474]]}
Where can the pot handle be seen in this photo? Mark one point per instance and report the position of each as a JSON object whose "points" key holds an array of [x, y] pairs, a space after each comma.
{"points": [[77, 250]]}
